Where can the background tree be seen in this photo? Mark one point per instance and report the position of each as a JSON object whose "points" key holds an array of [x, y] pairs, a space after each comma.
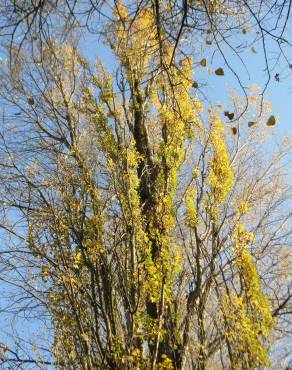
{"points": [[149, 235]]}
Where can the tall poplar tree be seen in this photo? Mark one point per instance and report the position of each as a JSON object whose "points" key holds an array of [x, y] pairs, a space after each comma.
{"points": [[153, 234]]}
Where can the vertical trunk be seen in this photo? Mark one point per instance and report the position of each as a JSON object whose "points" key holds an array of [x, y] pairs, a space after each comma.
{"points": [[201, 338], [147, 173]]}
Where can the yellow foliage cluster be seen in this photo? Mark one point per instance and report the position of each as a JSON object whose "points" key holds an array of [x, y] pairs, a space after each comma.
{"points": [[243, 208], [221, 175], [248, 315], [134, 39]]}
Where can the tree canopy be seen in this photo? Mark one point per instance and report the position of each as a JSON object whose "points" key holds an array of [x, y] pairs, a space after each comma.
{"points": [[140, 228]]}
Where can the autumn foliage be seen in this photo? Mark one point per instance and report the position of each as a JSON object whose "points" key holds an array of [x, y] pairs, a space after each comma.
{"points": [[148, 223]]}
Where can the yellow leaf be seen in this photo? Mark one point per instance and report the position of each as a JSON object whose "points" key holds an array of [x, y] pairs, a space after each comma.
{"points": [[203, 62], [219, 72], [271, 121]]}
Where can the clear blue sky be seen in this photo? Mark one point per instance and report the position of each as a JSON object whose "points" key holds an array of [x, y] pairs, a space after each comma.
{"points": [[217, 88]]}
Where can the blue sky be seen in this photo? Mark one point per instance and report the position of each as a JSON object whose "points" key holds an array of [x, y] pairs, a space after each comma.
{"points": [[217, 88]]}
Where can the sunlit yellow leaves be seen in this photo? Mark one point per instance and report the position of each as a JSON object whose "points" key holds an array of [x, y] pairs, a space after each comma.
{"points": [[248, 315], [166, 364], [191, 205], [121, 12], [243, 208], [244, 334], [133, 39], [221, 175], [77, 259], [241, 237]]}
